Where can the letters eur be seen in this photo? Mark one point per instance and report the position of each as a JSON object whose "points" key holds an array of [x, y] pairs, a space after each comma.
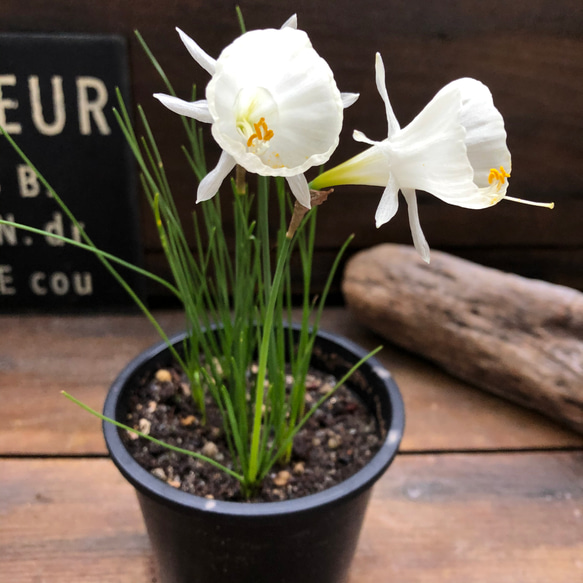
{"points": [[92, 97]]}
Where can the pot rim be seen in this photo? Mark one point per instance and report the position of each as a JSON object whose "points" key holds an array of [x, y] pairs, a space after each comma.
{"points": [[148, 484]]}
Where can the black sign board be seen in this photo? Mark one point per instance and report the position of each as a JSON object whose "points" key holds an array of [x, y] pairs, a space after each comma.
{"points": [[56, 97]]}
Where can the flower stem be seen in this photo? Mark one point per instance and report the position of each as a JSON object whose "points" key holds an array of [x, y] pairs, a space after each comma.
{"points": [[240, 184], [262, 364]]}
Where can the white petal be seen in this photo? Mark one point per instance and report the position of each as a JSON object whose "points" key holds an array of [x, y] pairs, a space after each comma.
{"points": [[349, 99], [485, 133], [418, 237], [430, 153], [300, 189], [389, 203], [211, 183], [291, 22], [295, 87], [393, 124], [449, 149], [196, 109], [202, 58]]}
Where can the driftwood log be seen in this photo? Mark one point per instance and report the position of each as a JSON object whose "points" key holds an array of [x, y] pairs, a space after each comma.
{"points": [[521, 339]]}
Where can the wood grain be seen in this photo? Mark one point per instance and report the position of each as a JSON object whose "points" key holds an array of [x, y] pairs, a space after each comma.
{"points": [[475, 519], [452, 519], [518, 338], [42, 355], [70, 520]]}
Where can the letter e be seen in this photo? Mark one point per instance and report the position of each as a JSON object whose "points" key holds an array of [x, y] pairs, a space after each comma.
{"points": [[5, 103], [6, 280]]}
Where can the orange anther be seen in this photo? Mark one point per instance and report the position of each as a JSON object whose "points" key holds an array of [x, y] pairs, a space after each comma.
{"points": [[498, 175], [262, 132]]}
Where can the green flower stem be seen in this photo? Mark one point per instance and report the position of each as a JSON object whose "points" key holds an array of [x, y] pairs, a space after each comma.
{"points": [[240, 19], [262, 364]]}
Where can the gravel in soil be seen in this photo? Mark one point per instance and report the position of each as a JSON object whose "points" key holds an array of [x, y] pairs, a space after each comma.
{"points": [[337, 441]]}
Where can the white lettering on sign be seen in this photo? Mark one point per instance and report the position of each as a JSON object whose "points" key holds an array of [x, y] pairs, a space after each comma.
{"points": [[6, 103], [55, 227], [6, 280], [76, 231], [88, 108], [28, 183], [91, 99], [60, 284], [59, 116], [8, 232]]}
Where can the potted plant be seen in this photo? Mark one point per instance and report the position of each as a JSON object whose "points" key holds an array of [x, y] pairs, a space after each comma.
{"points": [[311, 538], [275, 110]]}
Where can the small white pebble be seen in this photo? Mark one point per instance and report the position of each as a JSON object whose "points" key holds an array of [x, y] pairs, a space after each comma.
{"points": [[144, 426], [334, 442], [210, 449], [159, 473]]}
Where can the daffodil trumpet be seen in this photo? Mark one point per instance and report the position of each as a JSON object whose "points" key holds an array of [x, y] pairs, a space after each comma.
{"points": [[455, 149], [273, 106]]}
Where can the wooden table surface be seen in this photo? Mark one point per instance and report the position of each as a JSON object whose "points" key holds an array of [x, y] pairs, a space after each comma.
{"points": [[482, 490]]}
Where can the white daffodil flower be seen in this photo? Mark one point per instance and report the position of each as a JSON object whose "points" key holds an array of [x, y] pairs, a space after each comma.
{"points": [[273, 104], [454, 149]]}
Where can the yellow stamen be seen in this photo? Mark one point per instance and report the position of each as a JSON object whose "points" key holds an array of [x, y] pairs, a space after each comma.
{"points": [[498, 176], [262, 133], [548, 205], [257, 127]]}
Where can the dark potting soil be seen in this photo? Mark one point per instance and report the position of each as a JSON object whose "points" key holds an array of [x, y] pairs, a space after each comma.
{"points": [[337, 441]]}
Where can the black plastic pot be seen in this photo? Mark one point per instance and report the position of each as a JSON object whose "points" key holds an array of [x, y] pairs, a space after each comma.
{"points": [[306, 540]]}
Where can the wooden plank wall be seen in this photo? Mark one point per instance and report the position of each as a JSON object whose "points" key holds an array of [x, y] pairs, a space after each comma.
{"points": [[529, 52]]}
